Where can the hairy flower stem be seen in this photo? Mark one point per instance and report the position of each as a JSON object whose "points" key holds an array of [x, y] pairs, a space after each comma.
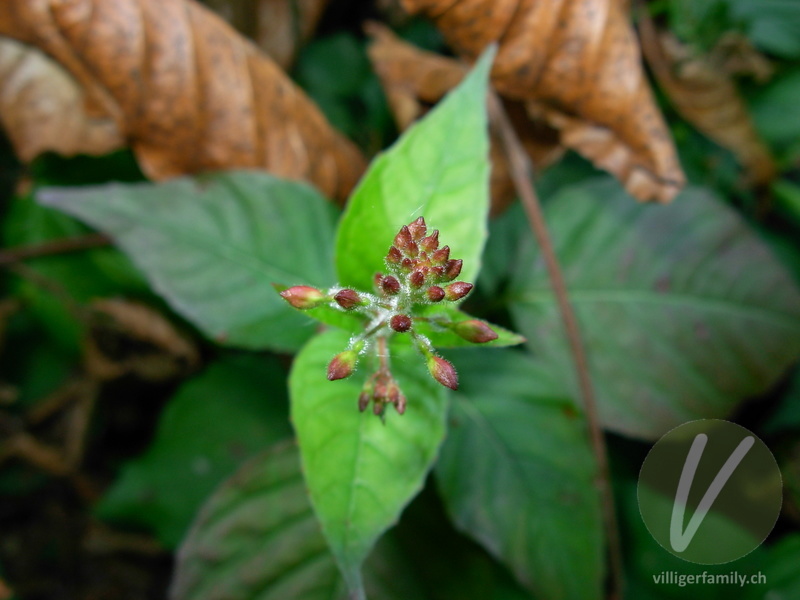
{"points": [[522, 176]]}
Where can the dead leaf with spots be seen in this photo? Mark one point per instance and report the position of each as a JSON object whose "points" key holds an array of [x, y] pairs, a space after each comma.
{"points": [[703, 92], [414, 80], [42, 108], [186, 91], [576, 66]]}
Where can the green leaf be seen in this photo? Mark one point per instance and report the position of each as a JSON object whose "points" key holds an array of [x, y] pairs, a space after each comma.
{"points": [[780, 572], [361, 472], [233, 409], [517, 474], [684, 310], [439, 169], [646, 561], [776, 113], [212, 246], [441, 337], [257, 537], [773, 25]]}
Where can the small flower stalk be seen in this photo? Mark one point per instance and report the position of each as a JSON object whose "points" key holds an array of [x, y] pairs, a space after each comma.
{"points": [[419, 272]]}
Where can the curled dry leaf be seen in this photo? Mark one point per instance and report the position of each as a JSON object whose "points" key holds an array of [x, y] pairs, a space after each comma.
{"points": [[187, 92], [131, 338], [282, 26], [576, 63], [42, 107], [703, 92], [414, 80]]}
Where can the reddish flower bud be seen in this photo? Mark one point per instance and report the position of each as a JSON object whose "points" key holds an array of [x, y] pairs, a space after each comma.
{"points": [[437, 273], [403, 238], [430, 243], [348, 299], [435, 293], [400, 323], [475, 331], [457, 290], [377, 280], [441, 256], [394, 256], [390, 285], [452, 269], [363, 401], [400, 405], [304, 297], [417, 229], [442, 371], [342, 365], [417, 278], [379, 408], [412, 250], [407, 265]]}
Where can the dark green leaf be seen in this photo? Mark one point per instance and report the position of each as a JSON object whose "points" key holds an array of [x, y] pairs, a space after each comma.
{"points": [[780, 572], [213, 246], [439, 170], [257, 537], [516, 473], [225, 414], [361, 472], [773, 25], [776, 112], [684, 310]]}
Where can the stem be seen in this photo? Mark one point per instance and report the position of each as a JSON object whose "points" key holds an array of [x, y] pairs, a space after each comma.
{"points": [[383, 354], [522, 175], [61, 246]]}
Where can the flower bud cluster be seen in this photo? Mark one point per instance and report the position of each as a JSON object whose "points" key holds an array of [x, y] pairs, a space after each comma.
{"points": [[418, 272]]}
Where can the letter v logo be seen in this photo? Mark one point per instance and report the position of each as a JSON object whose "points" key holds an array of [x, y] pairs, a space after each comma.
{"points": [[678, 538]]}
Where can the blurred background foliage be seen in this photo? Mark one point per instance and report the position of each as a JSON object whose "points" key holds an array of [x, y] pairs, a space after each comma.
{"points": [[152, 449]]}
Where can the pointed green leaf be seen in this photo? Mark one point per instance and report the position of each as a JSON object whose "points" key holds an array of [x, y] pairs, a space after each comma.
{"points": [[684, 310], [516, 473], [361, 472], [438, 169], [212, 246]]}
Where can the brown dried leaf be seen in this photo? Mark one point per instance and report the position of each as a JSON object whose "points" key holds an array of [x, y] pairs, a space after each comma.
{"points": [[282, 26], [188, 92], [128, 337], [42, 107], [705, 95], [414, 80], [578, 63]]}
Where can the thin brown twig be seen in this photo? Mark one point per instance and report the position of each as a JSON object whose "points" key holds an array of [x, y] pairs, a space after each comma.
{"points": [[522, 176], [12, 256]]}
